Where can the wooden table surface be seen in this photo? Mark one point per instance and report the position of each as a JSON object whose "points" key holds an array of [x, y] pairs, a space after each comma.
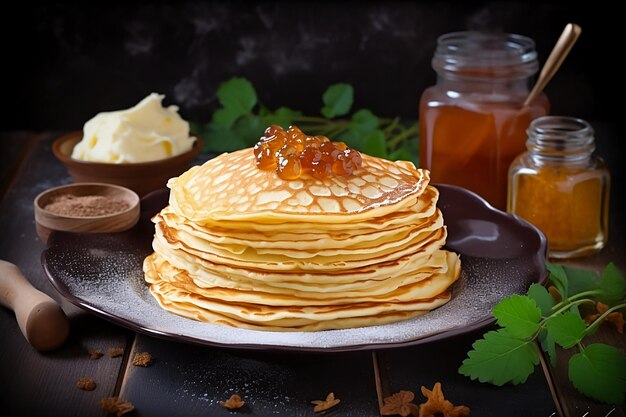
{"points": [[190, 380]]}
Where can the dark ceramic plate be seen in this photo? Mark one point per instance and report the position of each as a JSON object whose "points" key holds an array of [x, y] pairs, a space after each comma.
{"points": [[500, 253]]}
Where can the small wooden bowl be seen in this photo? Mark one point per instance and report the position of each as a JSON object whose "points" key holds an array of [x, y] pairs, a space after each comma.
{"points": [[141, 177], [47, 221]]}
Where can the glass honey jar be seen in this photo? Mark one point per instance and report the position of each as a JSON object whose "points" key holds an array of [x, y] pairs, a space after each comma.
{"points": [[473, 122], [561, 187]]}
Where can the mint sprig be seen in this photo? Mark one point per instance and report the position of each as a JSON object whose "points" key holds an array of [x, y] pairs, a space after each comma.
{"points": [[241, 119], [508, 355]]}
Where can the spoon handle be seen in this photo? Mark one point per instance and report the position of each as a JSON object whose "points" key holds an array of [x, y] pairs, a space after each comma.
{"points": [[39, 317], [557, 56]]}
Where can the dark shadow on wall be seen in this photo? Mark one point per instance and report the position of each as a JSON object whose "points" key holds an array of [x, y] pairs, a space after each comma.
{"points": [[68, 61]]}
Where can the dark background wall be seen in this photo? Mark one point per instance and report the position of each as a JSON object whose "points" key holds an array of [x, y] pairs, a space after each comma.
{"points": [[67, 61]]}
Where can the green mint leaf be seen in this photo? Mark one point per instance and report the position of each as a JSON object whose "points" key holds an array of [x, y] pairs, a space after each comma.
{"points": [[599, 372], [249, 129], [612, 283], [548, 345], [519, 315], [499, 358], [580, 280], [218, 139], [567, 329], [375, 144], [401, 154], [226, 117], [363, 122], [283, 116], [559, 278], [542, 298], [337, 100], [237, 95]]}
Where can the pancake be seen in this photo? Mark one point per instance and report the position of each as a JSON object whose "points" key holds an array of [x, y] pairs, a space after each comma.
{"points": [[241, 247]]}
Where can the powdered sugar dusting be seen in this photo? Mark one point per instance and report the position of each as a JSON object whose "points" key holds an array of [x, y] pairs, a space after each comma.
{"points": [[104, 274]]}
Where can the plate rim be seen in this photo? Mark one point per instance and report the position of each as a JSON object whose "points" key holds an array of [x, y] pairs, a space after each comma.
{"points": [[171, 336]]}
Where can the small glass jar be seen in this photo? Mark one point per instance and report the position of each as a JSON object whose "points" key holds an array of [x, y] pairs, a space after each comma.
{"points": [[473, 122], [561, 187]]}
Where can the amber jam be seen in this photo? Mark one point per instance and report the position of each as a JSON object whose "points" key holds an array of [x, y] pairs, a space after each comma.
{"points": [[292, 154]]}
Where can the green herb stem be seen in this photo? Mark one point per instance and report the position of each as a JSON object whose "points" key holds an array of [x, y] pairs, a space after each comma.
{"points": [[567, 301]]}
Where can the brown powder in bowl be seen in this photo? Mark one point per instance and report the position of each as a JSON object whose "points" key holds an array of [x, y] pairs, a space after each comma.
{"points": [[86, 205]]}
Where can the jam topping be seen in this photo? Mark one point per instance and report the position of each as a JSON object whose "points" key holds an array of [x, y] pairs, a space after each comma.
{"points": [[292, 154]]}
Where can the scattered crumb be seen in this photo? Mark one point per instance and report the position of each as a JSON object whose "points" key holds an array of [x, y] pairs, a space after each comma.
{"points": [[324, 405], [142, 359], [95, 354], [401, 404], [233, 403], [86, 384], [116, 405], [115, 352]]}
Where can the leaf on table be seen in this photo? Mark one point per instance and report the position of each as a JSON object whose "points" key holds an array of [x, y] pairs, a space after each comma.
{"points": [[559, 278], [519, 315], [548, 345], [218, 139], [226, 117], [375, 144], [566, 329], [599, 372], [612, 283], [237, 94], [337, 100], [542, 298], [580, 280], [363, 122], [282, 116], [499, 358]]}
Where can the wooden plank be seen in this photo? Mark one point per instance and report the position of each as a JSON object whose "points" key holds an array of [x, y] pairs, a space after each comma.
{"points": [[33, 383], [14, 146], [190, 380], [424, 365]]}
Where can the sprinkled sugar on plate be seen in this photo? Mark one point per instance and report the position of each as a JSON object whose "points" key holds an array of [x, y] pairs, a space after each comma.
{"points": [[501, 255]]}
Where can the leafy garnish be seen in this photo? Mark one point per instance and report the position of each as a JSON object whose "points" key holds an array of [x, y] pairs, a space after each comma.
{"points": [[241, 119], [599, 371], [509, 355], [500, 358]]}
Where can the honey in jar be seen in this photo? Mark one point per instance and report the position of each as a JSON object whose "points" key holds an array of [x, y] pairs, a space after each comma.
{"points": [[561, 187], [472, 122]]}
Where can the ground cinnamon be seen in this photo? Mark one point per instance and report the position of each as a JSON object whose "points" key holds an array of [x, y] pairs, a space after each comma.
{"points": [[86, 205]]}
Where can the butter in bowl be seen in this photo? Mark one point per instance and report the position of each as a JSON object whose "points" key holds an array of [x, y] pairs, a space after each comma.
{"points": [[85, 208], [139, 148]]}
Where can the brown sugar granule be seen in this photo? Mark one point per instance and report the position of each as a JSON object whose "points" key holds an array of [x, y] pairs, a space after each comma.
{"points": [[323, 405], [142, 359], [117, 406], [86, 384], [95, 354], [115, 352], [85, 205], [233, 403]]}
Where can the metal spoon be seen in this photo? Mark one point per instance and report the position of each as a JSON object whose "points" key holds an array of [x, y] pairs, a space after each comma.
{"points": [[557, 56]]}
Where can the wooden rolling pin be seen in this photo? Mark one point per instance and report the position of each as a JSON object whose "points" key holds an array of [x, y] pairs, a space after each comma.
{"points": [[41, 319]]}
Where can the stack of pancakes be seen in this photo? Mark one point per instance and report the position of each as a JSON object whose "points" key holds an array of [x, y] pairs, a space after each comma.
{"points": [[241, 247]]}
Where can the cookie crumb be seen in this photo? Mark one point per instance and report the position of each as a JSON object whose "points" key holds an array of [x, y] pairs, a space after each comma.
{"points": [[142, 359], [115, 352], [95, 354], [86, 384], [323, 405], [116, 405], [233, 403]]}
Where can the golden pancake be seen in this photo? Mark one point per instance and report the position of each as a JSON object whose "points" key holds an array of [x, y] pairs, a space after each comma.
{"points": [[241, 247]]}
